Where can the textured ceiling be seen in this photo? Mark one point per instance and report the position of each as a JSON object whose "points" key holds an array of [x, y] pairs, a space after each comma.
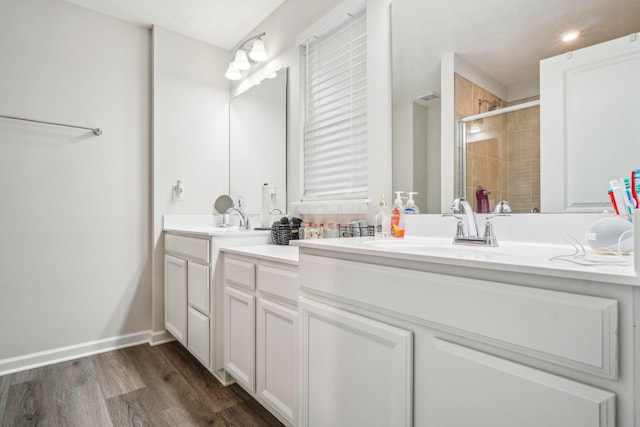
{"points": [[505, 39], [222, 23]]}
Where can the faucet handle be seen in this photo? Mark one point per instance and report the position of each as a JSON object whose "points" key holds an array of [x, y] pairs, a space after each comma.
{"points": [[489, 236], [459, 226], [489, 219]]}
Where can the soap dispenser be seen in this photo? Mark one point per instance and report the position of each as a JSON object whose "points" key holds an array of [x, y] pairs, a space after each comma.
{"points": [[411, 208], [382, 220], [397, 217]]}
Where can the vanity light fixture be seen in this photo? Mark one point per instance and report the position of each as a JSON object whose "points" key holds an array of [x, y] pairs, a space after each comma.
{"points": [[241, 62], [232, 72], [571, 36], [246, 53]]}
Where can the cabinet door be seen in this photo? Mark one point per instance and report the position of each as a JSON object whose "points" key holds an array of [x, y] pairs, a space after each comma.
{"points": [[355, 371], [276, 355], [471, 388], [175, 297], [240, 336], [198, 284], [198, 335]]}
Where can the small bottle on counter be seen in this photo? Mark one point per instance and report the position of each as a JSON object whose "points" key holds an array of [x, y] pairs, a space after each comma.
{"points": [[382, 220]]}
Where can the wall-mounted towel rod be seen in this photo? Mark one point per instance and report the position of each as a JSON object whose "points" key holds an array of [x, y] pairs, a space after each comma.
{"points": [[96, 131]]}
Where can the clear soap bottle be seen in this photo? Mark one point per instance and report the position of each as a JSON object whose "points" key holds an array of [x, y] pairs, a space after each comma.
{"points": [[382, 220], [411, 207]]}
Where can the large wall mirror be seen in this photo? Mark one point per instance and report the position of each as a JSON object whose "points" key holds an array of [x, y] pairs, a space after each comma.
{"points": [[258, 142], [501, 41]]}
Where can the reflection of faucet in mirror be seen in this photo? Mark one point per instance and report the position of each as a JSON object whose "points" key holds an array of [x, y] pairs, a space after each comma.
{"points": [[502, 207]]}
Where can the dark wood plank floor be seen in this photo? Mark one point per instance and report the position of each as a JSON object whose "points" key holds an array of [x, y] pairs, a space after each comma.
{"points": [[137, 386]]}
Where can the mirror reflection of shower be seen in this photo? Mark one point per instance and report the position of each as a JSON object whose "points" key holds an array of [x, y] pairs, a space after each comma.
{"points": [[476, 125], [500, 155]]}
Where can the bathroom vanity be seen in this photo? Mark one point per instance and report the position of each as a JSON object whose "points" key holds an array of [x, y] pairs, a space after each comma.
{"points": [[422, 332], [193, 283], [414, 331]]}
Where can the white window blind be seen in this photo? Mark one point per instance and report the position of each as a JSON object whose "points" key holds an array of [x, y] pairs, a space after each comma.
{"points": [[335, 130]]}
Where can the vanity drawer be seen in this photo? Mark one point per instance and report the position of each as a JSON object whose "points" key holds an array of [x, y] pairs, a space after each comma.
{"points": [[240, 273], [190, 247], [198, 286], [578, 331], [279, 282]]}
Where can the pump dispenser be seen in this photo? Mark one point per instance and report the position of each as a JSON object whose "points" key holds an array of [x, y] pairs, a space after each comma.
{"points": [[382, 220], [397, 217], [411, 207]]}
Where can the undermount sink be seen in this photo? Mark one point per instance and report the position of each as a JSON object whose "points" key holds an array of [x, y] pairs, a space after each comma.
{"points": [[435, 247]]}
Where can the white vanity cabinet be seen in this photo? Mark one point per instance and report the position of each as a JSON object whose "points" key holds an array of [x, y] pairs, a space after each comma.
{"points": [[355, 370], [240, 321], [187, 279], [435, 345], [194, 289], [261, 331]]}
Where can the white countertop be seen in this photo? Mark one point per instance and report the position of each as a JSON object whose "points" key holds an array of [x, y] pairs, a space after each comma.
{"points": [[280, 253], [513, 257], [202, 225]]}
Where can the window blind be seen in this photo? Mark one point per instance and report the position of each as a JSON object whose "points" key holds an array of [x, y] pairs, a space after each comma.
{"points": [[335, 129]]}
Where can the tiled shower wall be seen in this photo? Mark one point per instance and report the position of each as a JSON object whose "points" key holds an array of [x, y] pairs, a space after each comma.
{"points": [[504, 158], [523, 139]]}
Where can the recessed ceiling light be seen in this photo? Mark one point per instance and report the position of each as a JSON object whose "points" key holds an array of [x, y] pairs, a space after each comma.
{"points": [[568, 37]]}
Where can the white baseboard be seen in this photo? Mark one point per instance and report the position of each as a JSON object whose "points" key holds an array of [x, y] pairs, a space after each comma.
{"points": [[62, 354], [160, 338]]}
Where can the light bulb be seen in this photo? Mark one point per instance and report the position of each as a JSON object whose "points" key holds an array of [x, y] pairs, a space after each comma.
{"points": [[232, 73], [258, 53], [241, 62], [569, 37]]}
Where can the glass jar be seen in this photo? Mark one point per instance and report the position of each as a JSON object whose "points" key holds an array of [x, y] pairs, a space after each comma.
{"points": [[315, 231], [303, 231], [331, 231]]}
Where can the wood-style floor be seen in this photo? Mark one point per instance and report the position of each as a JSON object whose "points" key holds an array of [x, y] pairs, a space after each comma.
{"points": [[136, 386]]}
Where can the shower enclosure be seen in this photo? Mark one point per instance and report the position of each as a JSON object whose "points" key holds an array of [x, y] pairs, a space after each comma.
{"points": [[499, 154]]}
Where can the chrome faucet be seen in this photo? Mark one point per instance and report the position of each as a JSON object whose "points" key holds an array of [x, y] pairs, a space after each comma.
{"points": [[502, 207], [461, 206], [244, 220], [469, 235]]}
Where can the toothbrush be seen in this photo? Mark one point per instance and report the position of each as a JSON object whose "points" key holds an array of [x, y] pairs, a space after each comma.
{"points": [[612, 197], [635, 185], [626, 192], [618, 194]]}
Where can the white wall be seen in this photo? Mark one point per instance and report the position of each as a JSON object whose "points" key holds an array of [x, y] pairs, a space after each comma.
{"points": [[190, 136], [74, 212]]}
